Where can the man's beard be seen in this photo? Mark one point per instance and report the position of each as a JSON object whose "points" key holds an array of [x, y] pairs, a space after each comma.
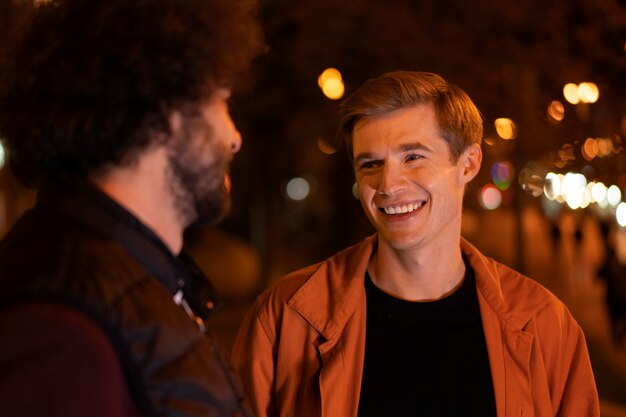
{"points": [[196, 167]]}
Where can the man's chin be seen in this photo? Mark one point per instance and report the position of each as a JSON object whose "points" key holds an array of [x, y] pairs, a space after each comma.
{"points": [[212, 212]]}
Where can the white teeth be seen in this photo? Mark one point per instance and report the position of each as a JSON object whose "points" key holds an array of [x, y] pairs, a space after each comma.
{"points": [[403, 209]]}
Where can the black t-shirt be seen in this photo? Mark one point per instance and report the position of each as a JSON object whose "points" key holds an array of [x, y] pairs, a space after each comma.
{"points": [[426, 358]]}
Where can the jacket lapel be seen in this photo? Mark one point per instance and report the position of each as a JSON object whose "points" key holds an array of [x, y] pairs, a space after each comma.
{"points": [[332, 301], [508, 345]]}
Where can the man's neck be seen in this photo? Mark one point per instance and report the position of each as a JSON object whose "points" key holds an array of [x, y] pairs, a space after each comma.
{"points": [[140, 188], [421, 274]]}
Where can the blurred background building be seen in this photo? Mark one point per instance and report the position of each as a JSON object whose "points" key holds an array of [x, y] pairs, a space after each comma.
{"points": [[550, 80]]}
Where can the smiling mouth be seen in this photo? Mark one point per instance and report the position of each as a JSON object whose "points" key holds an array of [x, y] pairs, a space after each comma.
{"points": [[403, 209]]}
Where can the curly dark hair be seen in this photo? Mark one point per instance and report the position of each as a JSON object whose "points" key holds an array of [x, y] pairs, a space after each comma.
{"points": [[87, 83]]}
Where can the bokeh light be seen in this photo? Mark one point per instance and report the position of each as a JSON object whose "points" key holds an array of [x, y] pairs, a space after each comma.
{"points": [[570, 92], [328, 74], [573, 182], [574, 199], [605, 146], [566, 154], [325, 147], [492, 141], [532, 179], [502, 174], [552, 185], [582, 93], [590, 149], [2, 155], [505, 128], [620, 214], [588, 92], [333, 89], [556, 111], [490, 197], [598, 192], [331, 83], [297, 189], [614, 195]]}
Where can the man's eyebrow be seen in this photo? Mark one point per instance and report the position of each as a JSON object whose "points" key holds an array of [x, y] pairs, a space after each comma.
{"points": [[363, 155], [413, 146]]}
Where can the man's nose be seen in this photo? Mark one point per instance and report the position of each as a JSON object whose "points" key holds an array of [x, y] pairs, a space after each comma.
{"points": [[235, 144], [392, 180]]}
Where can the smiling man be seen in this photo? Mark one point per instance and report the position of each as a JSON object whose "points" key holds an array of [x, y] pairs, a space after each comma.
{"points": [[414, 320]]}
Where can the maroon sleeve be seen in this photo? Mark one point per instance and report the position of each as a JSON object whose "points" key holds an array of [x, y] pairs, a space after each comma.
{"points": [[55, 361]]}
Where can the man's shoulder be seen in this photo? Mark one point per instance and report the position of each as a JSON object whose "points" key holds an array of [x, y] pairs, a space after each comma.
{"points": [[321, 278], [513, 296], [522, 287], [279, 292], [47, 252]]}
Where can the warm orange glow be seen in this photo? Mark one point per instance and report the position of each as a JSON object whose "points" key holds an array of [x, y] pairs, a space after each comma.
{"points": [[560, 163], [330, 81], [325, 147], [570, 92], [556, 111], [590, 149], [506, 128], [588, 92], [333, 89], [605, 146], [328, 74], [566, 153]]}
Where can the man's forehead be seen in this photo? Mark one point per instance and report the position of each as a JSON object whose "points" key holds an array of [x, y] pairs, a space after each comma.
{"points": [[409, 118], [406, 125], [426, 107], [408, 129]]}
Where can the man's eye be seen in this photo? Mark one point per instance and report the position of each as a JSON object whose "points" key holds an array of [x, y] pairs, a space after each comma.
{"points": [[413, 157], [368, 165]]}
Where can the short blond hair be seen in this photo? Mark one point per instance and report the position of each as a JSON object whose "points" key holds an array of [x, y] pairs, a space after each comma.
{"points": [[459, 120]]}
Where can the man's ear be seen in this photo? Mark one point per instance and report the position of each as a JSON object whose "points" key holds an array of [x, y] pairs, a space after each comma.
{"points": [[470, 161]]}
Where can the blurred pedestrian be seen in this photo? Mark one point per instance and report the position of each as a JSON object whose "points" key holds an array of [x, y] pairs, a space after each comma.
{"points": [[613, 272]]}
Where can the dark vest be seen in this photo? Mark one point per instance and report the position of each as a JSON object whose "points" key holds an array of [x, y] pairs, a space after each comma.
{"points": [[79, 248]]}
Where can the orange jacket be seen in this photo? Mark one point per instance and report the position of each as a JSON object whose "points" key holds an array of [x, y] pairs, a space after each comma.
{"points": [[300, 350]]}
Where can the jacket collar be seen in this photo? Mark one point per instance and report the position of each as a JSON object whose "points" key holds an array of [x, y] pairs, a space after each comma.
{"points": [[494, 279], [83, 202], [335, 289]]}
